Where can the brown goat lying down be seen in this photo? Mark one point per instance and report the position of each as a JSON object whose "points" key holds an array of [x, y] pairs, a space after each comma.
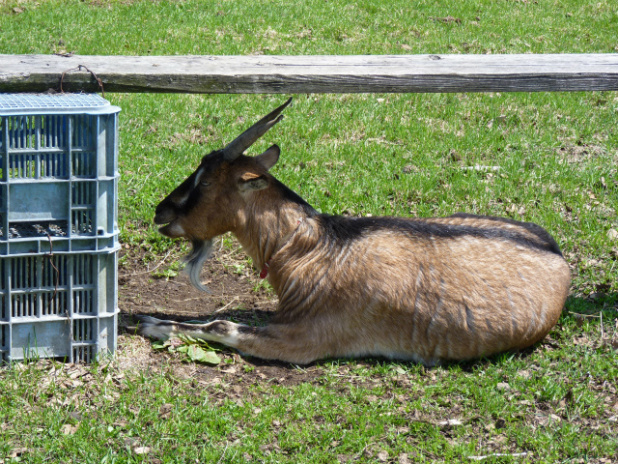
{"points": [[427, 290]]}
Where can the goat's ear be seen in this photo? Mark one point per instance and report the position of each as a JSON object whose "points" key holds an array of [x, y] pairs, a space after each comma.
{"points": [[250, 181], [270, 157]]}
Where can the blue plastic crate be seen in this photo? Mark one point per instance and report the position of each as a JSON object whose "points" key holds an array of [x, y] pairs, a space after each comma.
{"points": [[58, 306], [58, 211], [58, 173]]}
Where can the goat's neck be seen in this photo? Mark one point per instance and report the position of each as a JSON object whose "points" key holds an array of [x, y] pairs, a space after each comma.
{"points": [[266, 226]]}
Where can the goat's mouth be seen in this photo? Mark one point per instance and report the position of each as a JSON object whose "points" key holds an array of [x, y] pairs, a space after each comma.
{"points": [[200, 252], [171, 229]]}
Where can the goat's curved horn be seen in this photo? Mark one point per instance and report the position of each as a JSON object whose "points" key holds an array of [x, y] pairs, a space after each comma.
{"points": [[235, 148]]}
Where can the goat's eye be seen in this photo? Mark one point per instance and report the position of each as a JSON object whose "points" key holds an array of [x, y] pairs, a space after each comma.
{"points": [[203, 183]]}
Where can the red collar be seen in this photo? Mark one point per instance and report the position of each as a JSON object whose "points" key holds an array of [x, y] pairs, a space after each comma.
{"points": [[264, 271]]}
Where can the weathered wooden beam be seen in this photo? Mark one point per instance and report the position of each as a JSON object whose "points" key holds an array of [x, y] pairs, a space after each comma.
{"points": [[309, 74]]}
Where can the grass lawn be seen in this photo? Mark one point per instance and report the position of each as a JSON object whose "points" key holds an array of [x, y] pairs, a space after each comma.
{"points": [[550, 158]]}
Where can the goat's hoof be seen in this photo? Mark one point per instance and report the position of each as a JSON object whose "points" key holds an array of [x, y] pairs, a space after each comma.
{"points": [[152, 327]]}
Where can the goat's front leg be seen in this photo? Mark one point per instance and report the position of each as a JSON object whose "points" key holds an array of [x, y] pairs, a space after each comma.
{"points": [[277, 341]]}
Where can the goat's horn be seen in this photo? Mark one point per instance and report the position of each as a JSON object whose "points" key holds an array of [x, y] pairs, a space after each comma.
{"points": [[235, 148]]}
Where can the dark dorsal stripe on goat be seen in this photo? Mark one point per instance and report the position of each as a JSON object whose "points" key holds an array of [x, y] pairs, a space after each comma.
{"points": [[538, 231], [342, 229], [345, 229]]}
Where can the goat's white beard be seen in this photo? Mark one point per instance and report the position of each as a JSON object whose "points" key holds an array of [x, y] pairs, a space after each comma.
{"points": [[195, 260]]}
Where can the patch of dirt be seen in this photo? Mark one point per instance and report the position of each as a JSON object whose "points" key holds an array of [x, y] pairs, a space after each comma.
{"points": [[238, 295], [235, 294], [579, 152]]}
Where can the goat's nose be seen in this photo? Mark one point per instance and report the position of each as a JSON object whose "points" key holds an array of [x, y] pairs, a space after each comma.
{"points": [[164, 216]]}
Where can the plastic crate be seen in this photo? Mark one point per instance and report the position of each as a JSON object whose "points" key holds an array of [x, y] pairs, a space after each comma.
{"points": [[58, 306], [58, 173], [58, 226]]}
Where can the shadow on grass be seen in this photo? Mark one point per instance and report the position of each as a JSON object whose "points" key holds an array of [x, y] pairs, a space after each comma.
{"points": [[595, 303]]}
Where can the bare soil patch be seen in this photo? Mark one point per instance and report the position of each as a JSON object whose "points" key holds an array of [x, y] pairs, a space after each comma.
{"points": [[237, 296], [235, 293]]}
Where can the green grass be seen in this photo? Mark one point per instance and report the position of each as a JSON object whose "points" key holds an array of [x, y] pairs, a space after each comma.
{"points": [[407, 155], [552, 405]]}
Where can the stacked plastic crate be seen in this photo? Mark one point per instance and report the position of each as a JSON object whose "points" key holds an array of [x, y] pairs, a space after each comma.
{"points": [[58, 226]]}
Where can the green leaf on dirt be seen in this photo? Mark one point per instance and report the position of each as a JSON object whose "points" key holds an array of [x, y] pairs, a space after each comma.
{"points": [[160, 344], [183, 349], [192, 348], [198, 354]]}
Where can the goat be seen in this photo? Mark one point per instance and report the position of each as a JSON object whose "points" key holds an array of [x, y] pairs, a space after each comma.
{"points": [[427, 290]]}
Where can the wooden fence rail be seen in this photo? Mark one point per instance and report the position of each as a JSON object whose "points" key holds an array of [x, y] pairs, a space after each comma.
{"points": [[309, 74]]}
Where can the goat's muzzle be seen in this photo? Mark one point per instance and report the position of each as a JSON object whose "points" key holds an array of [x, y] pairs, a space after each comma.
{"points": [[166, 216], [172, 230]]}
